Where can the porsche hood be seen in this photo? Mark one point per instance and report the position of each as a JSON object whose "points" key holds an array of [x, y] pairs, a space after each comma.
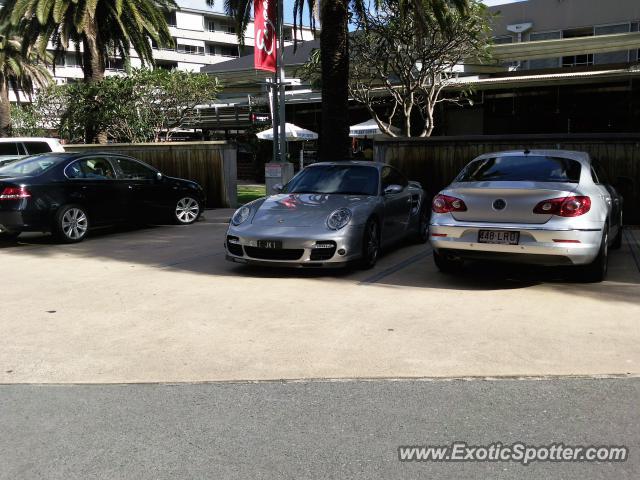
{"points": [[306, 209]]}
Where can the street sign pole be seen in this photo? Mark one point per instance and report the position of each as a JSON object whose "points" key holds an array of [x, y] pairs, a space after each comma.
{"points": [[282, 138], [279, 170]]}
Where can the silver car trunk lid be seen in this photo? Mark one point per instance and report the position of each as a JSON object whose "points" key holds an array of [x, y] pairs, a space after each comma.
{"points": [[506, 202]]}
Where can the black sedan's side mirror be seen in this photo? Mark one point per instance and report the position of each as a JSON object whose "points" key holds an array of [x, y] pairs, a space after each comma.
{"points": [[393, 189], [158, 176], [277, 188]]}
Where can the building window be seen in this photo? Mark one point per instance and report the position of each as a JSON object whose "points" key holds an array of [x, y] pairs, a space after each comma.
{"points": [[166, 65], [577, 60], [503, 39], [72, 60], [190, 49], [211, 26], [170, 17], [115, 64], [222, 50], [578, 32], [228, 51], [543, 63], [623, 56]]}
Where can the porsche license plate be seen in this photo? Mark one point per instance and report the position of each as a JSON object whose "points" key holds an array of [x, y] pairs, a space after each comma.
{"points": [[271, 244], [498, 237]]}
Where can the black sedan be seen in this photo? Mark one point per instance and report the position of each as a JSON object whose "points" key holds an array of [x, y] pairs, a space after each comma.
{"points": [[68, 193]]}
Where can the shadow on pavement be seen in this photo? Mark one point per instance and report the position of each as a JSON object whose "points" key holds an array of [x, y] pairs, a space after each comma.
{"points": [[199, 249]]}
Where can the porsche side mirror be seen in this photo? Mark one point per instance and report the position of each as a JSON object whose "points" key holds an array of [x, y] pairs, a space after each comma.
{"points": [[277, 188], [393, 189], [158, 176]]}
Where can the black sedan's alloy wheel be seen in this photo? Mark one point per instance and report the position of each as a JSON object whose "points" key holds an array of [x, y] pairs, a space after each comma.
{"points": [[71, 224], [187, 210]]}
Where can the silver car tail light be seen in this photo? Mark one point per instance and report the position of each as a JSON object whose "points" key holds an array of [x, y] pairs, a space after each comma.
{"points": [[446, 204], [573, 206]]}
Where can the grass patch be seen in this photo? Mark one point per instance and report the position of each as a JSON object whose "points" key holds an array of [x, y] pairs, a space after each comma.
{"points": [[248, 193]]}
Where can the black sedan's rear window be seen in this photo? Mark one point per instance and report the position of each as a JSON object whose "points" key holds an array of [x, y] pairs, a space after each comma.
{"points": [[522, 168], [29, 166]]}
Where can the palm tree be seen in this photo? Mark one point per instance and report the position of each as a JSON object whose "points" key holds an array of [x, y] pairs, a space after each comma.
{"points": [[20, 71], [94, 29], [334, 55]]}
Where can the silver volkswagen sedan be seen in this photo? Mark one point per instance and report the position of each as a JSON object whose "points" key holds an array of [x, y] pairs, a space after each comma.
{"points": [[546, 207], [328, 215]]}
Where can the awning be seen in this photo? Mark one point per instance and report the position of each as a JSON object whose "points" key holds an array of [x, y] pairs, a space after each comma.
{"points": [[566, 46], [369, 128], [293, 134]]}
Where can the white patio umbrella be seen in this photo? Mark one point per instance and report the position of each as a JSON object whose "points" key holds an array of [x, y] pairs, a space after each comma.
{"points": [[294, 133], [368, 129]]}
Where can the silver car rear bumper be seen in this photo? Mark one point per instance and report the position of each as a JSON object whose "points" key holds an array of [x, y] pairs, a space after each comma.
{"points": [[538, 244]]}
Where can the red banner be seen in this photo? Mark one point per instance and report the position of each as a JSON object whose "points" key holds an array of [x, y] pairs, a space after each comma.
{"points": [[264, 32]]}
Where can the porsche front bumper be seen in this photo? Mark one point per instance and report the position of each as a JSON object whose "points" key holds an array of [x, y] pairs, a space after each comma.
{"points": [[296, 246]]}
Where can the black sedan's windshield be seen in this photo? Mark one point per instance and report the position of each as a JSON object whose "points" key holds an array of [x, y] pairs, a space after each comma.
{"points": [[336, 179], [29, 167]]}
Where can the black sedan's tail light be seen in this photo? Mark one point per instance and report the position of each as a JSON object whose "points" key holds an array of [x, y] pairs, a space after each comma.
{"points": [[14, 193]]}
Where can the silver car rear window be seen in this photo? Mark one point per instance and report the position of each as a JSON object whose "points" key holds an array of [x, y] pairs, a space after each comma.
{"points": [[522, 168]]}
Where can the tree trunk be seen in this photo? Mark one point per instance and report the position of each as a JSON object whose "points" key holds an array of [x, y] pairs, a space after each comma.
{"points": [[5, 110], [94, 65], [334, 57]]}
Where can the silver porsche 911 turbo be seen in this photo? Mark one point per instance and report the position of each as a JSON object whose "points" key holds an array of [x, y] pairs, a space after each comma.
{"points": [[546, 207], [328, 215]]}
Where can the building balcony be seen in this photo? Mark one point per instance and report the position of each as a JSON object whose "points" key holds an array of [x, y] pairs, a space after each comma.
{"points": [[215, 36], [174, 55]]}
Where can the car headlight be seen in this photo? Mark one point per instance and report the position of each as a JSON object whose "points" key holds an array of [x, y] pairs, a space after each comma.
{"points": [[241, 215], [339, 218]]}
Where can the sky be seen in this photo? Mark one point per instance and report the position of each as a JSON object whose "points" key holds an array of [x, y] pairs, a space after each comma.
{"points": [[288, 8]]}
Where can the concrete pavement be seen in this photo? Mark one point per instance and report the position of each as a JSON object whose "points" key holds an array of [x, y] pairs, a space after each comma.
{"points": [[162, 305]]}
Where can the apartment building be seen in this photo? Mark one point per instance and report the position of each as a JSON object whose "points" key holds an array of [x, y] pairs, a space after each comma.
{"points": [[535, 20], [203, 36]]}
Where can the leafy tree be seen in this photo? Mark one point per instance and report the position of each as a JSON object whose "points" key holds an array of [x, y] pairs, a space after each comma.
{"points": [[395, 62], [20, 70], [26, 121], [170, 98], [101, 27], [390, 60], [143, 106], [334, 53]]}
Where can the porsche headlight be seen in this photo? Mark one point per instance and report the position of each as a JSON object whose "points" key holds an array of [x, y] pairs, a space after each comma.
{"points": [[241, 215], [339, 218]]}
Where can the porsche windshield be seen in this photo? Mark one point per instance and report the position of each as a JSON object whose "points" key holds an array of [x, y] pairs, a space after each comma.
{"points": [[335, 179]]}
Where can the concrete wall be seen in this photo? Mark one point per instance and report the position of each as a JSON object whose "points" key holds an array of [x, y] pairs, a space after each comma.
{"points": [[211, 164]]}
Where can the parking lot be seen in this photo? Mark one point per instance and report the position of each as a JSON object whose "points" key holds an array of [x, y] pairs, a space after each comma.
{"points": [[161, 304]]}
